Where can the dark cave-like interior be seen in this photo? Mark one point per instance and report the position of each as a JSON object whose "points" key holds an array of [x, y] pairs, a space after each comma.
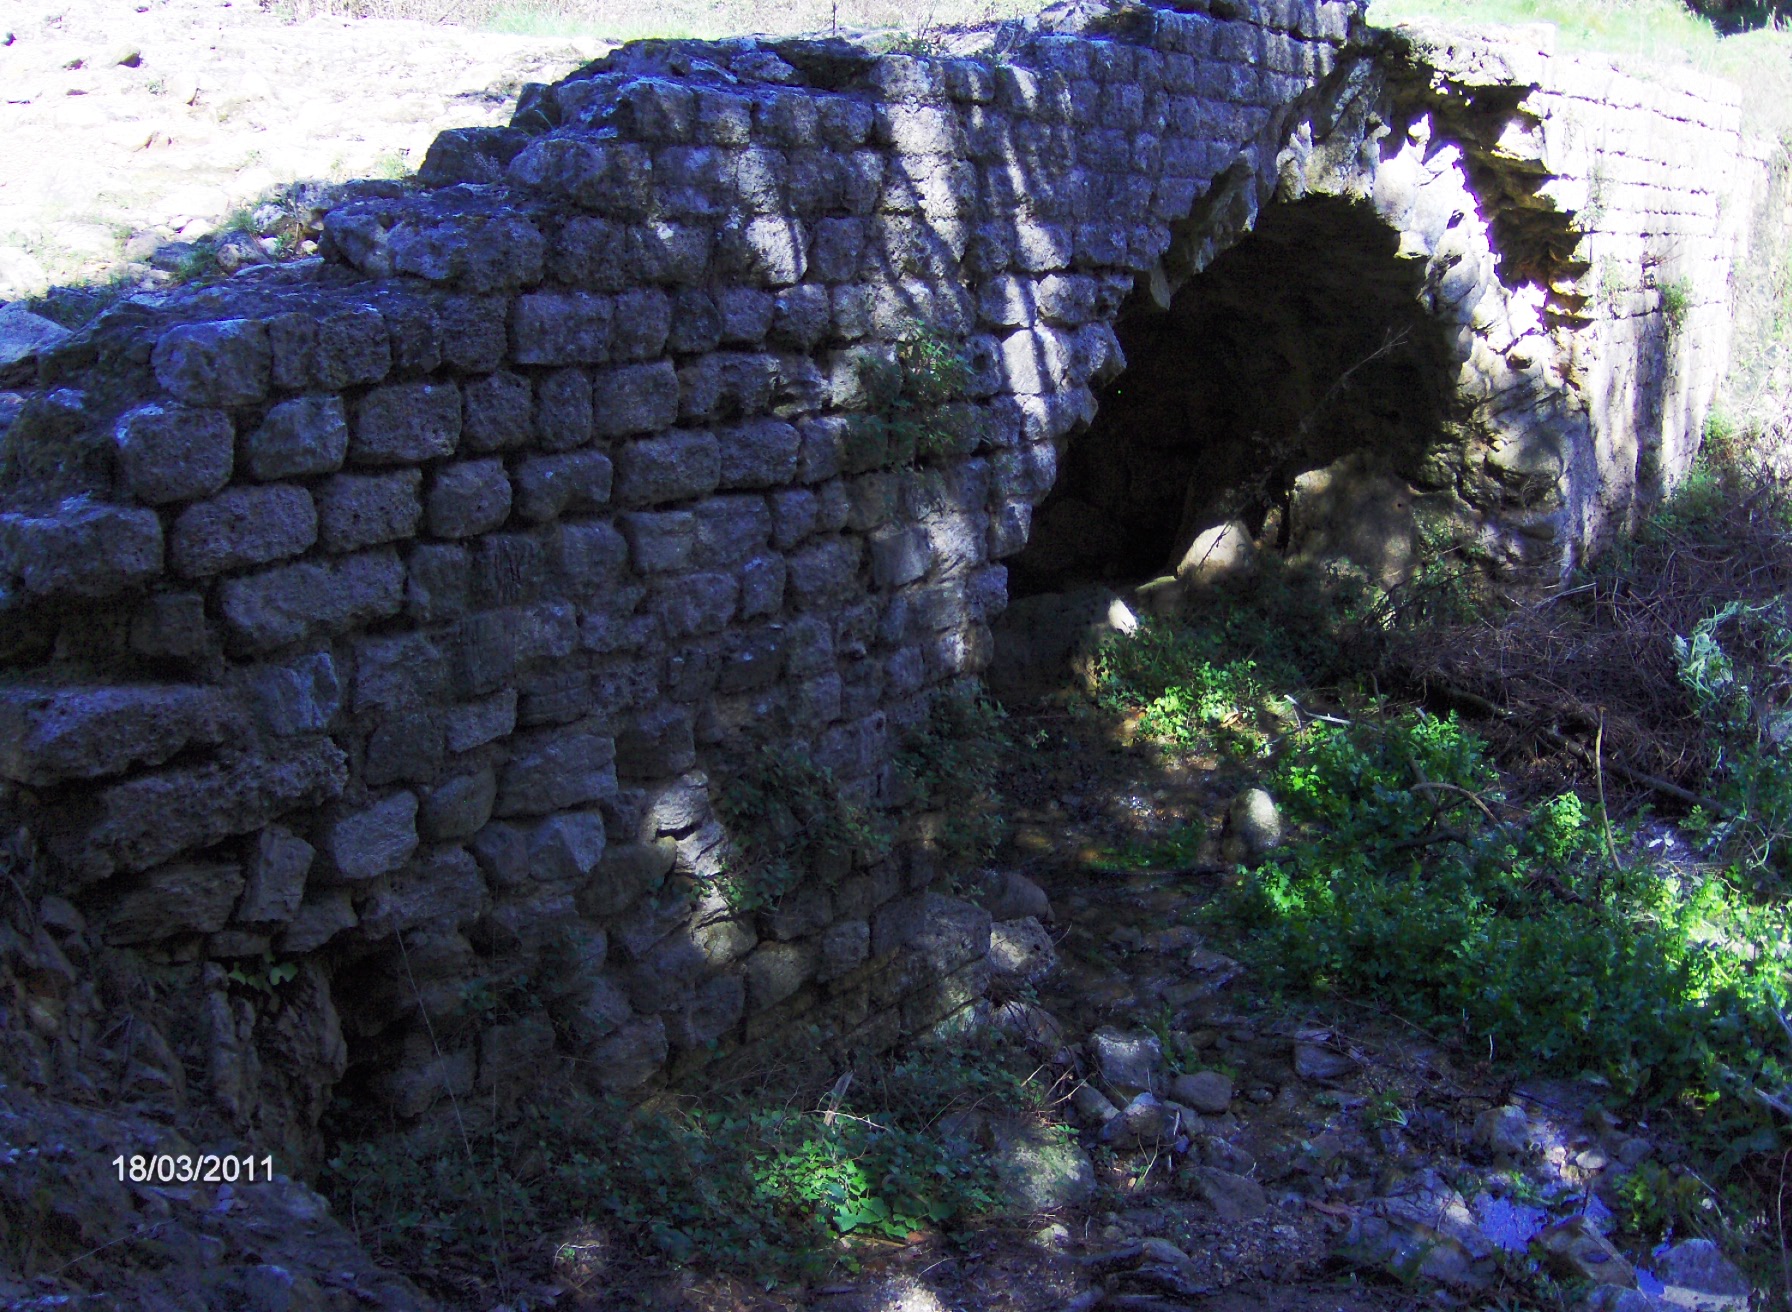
{"points": [[1304, 343]]}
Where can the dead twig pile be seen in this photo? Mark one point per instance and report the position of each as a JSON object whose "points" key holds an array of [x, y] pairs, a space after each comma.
{"points": [[1586, 679]]}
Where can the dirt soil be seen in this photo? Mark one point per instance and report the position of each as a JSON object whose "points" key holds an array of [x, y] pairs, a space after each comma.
{"points": [[129, 123]]}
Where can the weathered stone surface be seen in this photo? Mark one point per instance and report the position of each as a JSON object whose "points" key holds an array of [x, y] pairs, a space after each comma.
{"points": [[225, 363], [83, 549], [547, 487], [639, 398], [364, 510], [295, 697], [282, 605], [624, 875], [405, 422], [185, 898], [561, 328], [139, 824], [174, 453], [241, 528], [468, 498], [459, 808], [1022, 949], [52, 734], [1208, 1092], [566, 848], [676, 467], [1127, 1062], [306, 435], [556, 769], [372, 842], [275, 877]]}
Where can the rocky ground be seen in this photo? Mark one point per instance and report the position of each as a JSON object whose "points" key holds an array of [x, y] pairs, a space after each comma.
{"points": [[1245, 1154], [132, 128]]}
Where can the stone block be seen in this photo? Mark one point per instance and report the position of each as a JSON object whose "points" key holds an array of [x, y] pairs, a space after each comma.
{"points": [[404, 422], [477, 252], [319, 919], [838, 247], [306, 435], [659, 541], [225, 363], [565, 849], [775, 971], [281, 605], [171, 626], [563, 410], [242, 527], [759, 454], [900, 556], [762, 581], [49, 735], [185, 898], [476, 723], [630, 1057], [641, 398], [468, 498], [374, 841], [843, 948], [744, 314], [173, 452], [643, 318], [802, 317], [695, 604], [363, 510], [404, 748], [626, 873], [561, 328], [590, 558], [656, 743], [473, 332], [438, 583], [730, 529], [714, 1009], [675, 467], [275, 877], [547, 487], [696, 322], [497, 412], [81, 549], [556, 769], [510, 568], [792, 513], [298, 697], [145, 821], [755, 660], [351, 347]]}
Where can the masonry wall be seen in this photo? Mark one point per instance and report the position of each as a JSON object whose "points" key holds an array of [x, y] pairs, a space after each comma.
{"points": [[386, 616]]}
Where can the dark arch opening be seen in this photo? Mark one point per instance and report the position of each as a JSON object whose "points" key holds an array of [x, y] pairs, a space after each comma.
{"points": [[1305, 343]]}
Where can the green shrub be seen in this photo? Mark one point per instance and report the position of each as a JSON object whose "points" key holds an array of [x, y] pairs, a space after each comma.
{"points": [[953, 765], [788, 822], [751, 1184], [1520, 938]]}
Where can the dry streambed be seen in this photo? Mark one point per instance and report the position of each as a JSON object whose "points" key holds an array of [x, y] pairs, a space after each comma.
{"points": [[128, 126]]}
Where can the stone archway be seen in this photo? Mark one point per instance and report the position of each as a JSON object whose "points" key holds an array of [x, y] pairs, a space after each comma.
{"points": [[1304, 344]]}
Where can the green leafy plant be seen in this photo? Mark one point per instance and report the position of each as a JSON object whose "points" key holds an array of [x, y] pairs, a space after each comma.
{"points": [[1406, 887], [789, 822], [1676, 301], [265, 977], [953, 765], [923, 416], [754, 1184]]}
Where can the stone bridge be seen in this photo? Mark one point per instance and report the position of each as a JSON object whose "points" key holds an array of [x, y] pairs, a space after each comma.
{"points": [[384, 615]]}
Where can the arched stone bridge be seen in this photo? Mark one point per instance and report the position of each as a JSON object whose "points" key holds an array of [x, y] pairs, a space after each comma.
{"points": [[379, 614]]}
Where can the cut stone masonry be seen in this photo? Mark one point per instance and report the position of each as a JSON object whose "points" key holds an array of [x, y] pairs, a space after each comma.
{"points": [[388, 613]]}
